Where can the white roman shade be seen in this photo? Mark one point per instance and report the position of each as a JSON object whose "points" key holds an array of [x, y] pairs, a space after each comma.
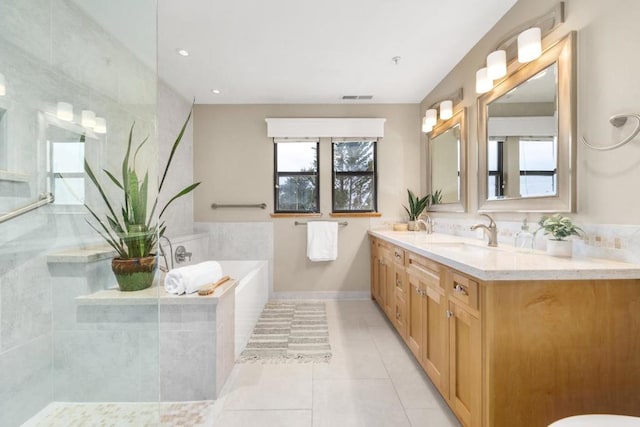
{"points": [[297, 128]]}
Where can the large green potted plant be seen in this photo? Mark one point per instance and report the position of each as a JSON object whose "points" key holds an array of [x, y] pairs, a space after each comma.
{"points": [[132, 229], [416, 206]]}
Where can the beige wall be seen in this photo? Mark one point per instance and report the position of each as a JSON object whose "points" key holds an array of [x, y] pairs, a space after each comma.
{"points": [[608, 83], [234, 160]]}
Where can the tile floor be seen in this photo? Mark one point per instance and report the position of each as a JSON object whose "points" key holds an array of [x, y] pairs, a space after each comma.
{"points": [[372, 380]]}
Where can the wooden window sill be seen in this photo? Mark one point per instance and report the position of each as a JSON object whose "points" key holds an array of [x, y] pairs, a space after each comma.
{"points": [[295, 215], [355, 214]]}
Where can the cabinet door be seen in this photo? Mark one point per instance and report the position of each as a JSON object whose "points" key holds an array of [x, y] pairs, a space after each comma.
{"points": [[435, 346], [400, 300], [387, 284], [375, 269], [415, 322], [465, 384]]}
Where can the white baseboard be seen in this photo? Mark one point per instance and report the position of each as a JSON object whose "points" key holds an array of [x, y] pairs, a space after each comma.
{"points": [[322, 295]]}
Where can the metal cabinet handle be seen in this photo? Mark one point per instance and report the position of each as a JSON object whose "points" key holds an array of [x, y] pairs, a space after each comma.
{"points": [[398, 282], [449, 314], [397, 254], [397, 314], [461, 289]]}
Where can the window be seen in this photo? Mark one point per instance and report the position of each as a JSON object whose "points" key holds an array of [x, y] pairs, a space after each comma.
{"points": [[354, 175], [296, 177], [536, 159], [66, 167]]}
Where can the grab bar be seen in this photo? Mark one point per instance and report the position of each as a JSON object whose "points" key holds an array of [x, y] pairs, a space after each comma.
{"points": [[45, 199], [246, 205], [343, 223]]}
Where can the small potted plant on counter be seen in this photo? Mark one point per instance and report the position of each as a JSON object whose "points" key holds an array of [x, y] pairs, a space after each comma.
{"points": [[560, 227], [133, 231], [416, 207]]}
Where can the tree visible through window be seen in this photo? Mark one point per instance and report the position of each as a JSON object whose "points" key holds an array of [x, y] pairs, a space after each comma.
{"points": [[296, 177], [354, 176]]}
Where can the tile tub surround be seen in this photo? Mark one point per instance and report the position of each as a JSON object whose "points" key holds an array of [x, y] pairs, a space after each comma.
{"points": [[504, 262], [196, 335]]}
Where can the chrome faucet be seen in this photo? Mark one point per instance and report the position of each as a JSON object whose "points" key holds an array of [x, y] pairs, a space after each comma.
{"points": [[491, 230], [428, 224], [165, 268]]}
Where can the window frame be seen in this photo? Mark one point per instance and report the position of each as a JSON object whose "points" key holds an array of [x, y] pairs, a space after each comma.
{"points": [[374, 173], [276, 181]]}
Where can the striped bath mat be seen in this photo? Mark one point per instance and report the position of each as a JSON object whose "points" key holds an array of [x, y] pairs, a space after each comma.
{"points": [[289, 332]]}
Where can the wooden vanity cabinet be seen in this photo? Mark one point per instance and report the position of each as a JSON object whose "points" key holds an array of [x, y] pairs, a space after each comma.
{"points": [[518, 353]]}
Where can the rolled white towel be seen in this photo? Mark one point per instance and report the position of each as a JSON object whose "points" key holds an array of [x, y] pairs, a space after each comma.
{"points": [[191, 278]]}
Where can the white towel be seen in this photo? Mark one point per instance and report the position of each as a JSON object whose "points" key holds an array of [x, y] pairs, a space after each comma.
{"points": [[191, 278], [322, 240]]}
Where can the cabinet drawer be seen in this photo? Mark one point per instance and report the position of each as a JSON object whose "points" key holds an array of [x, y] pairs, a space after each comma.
{"points": [[400, 281], [373, 244], [400, 320], [398, 255], [427, 271], [464, 290]]}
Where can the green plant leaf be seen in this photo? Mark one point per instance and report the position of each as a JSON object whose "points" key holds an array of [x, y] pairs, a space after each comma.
{"points": [[185, 191], [93, 179], [125, 171], [113, 178], [174, 148], [135, 155]]}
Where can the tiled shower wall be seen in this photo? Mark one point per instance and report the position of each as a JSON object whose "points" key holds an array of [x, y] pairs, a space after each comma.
{"points": [[51, 51]]}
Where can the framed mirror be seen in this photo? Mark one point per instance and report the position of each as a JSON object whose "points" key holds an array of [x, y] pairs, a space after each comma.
{"points": [[447, 147], [526, 136]]}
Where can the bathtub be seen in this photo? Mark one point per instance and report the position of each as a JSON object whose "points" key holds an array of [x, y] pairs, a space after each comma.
{"points": [[252, 293]]}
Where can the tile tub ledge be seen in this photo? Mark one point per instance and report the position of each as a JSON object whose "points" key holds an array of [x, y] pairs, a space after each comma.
{"points": [[81, 255], [153, 296]]}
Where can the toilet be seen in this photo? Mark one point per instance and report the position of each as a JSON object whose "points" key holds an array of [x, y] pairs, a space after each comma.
{"points": [[597, 420]]}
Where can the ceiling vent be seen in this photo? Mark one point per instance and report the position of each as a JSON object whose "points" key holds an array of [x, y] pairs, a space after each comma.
{"points": [[357, 97]]}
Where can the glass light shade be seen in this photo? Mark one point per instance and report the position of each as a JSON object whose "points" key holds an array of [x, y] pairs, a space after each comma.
{"points": [[483, 83], [101, 125], [64, 111], [425, 127], [432, 117], [3, 85], [446, 109], [497, 64], [529, 45], [88, 119]]}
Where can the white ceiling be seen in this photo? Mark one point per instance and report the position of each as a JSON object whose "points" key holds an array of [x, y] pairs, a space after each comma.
{"points": [[304, 51]]}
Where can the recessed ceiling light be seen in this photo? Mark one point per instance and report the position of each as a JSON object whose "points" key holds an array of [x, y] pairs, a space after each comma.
{"points": [[215, 91], [182, 52]]}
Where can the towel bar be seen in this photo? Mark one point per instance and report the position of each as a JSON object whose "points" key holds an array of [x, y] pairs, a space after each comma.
{"points": [[343, 223], [244, 205]]}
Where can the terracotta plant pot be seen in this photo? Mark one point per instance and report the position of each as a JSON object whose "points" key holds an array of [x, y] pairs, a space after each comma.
{"points": [[134, 274], [561, 248]]}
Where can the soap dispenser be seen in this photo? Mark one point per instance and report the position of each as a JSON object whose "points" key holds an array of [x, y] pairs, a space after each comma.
{"points": [[524, 238]]}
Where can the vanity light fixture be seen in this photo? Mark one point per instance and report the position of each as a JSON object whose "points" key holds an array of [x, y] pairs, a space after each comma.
{"points": [[182, 52], [425, 127], [3, 85], [483, 83], [101, 125], [445, 105], [525, 43], [432, 117], [88, 119], [529, 45], [497, 64], [446, 109], [64, 111]]}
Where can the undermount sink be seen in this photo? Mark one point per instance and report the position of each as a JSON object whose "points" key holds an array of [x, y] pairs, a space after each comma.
{"points": [[462, 247]]}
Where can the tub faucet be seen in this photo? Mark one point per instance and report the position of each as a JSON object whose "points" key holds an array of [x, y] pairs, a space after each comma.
{"points": [[164, 254], [428, 224], [182, 254], [491, 230]]}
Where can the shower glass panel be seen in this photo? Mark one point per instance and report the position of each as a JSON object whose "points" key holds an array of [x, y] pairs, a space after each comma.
{"points": [[58, 341]]}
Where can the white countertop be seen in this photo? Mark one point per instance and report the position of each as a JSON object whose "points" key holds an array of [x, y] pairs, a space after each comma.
{"points": [[475, 258]]}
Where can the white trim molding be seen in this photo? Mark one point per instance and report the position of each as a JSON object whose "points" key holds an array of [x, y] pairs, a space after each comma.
{"points": [[325, 127]]}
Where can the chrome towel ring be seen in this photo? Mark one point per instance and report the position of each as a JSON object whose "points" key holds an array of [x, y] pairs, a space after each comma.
{"points": [[618, 121]]}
